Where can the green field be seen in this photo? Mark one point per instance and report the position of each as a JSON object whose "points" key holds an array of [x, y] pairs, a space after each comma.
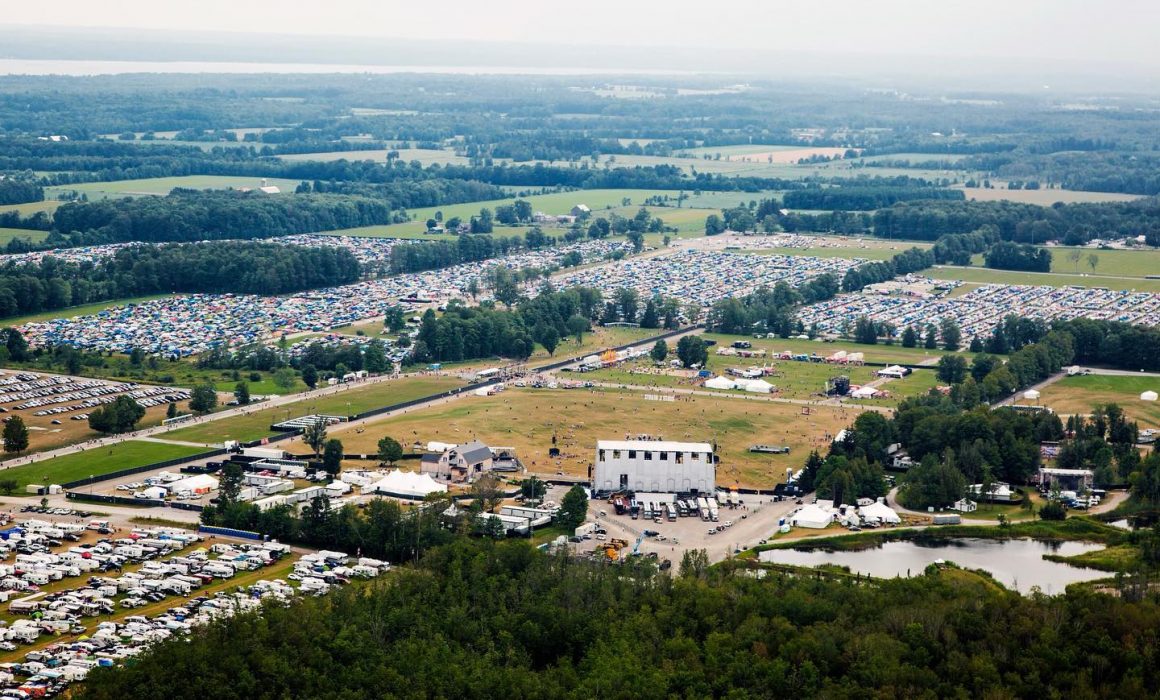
{"points": [[988, 276], [73, 311], [49, 205], [163, 185], [1081, 393], [873, 353], [96, 461], [868, 252], [1044, 197], [257, 424], [8, 235], [1116, 263], [426, 156]]}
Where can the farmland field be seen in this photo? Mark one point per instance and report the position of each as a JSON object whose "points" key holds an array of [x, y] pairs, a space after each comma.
{"points": [[1117, 263], [988, 276], [1080, 394], [99, 460], [256, 424], [426, 156], [10, 234], [48, 205], [527, 419], [1043, 196], [163, 185]]}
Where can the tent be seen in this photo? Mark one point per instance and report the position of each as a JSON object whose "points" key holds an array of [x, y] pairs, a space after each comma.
{"points": [[864, 392], [1148, 396], [812, 516], [720, 383], [880, 512], [757, 386], [155, 492], [198, 483], [1031, 395], [409, 485]]}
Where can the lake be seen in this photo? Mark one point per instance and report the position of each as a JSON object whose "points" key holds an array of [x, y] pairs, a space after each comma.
{"points": [[1017, 564]]}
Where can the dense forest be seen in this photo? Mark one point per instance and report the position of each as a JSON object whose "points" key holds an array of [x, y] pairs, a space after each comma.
{"points": [[188, 215], [19, 189], [213, 267], [480, 619], [1015, 256], [859, 197]]}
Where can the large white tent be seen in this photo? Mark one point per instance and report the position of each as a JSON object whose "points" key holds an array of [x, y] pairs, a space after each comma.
{"points": [[1148, 396], [756, 386], [720, 383], [409, 485], [813, 516], [1031, 395], [879, 512], [198, 483]]}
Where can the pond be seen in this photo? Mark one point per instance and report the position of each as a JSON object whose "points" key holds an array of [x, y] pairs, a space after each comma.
{"points": [[1017, 564]]}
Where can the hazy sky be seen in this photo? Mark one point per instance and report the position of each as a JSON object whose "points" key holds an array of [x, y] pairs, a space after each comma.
{"points": [[1088, 30]]}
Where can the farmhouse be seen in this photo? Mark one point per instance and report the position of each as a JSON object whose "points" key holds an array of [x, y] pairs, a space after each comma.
{"points": [[459, 463], [655, 466], [580, 210]]}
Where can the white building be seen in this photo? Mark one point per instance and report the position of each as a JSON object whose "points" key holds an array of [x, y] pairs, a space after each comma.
{"points": [[657, 466]]}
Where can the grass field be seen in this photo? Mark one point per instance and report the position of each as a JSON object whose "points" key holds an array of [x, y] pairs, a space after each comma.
{"points": [[49, 205], [73, 311], [527, 419], [1044, 197], [101, 460], [163, 185], [7, 235], [987, 276], [1116, 263], [869, 252], [1080, 394], [256, 425], [426, 156], [874, 353]]}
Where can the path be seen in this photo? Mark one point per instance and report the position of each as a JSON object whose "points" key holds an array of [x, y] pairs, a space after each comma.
{"points": [[834, 403]]}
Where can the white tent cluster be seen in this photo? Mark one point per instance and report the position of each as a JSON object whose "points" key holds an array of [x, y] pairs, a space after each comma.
{"points": [[821, 514], [755, 386], [406, 485]]}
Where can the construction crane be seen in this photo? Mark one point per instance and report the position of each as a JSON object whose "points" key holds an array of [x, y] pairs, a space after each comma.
{"points": [[636, 547]]}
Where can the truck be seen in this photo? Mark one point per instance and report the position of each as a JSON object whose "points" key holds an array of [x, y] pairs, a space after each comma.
{"points": [[263, 453], [703, 507], [713, 509], [672, 511]]}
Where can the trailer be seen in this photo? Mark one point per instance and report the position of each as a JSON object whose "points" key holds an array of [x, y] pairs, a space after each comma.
{"points": [[703, 507], [672, 511], [713, 509]]}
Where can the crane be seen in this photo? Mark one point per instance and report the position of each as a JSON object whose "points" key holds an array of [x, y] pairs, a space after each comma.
{"points": [[636, 547]]}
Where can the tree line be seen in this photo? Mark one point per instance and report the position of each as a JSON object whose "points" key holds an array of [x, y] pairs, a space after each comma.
{"points": [[214, 267], [18, 189], [484, 618]]}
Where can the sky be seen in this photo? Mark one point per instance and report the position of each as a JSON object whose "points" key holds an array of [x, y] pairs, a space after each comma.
{"points": [[1101, 31]]}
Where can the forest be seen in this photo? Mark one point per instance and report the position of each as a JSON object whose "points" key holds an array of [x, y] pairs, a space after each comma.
{"points": [[19, 189], [215, 267], [483, 619]]}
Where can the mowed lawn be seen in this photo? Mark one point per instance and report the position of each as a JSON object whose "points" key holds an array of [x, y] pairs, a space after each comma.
{"points": [[1117, 263], [48, 205], [1081, 394], [96, 461], [163, 185], [256, 424], [987, 276], [527, 419]]}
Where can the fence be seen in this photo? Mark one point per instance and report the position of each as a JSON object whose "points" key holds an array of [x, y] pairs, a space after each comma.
{"points": [[229, 532], [115, 500]]}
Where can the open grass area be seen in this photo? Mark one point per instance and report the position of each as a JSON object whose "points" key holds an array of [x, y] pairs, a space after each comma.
{"points": [[873, 353], [99, 460], [426, 156], [7, 235], [1081, 393], [48, 205], [163, 185], [987, 276], [594, 341], [869, 252], [1116, 263], [73, 311], [527, 419], [256, 424], [1043, 196]]}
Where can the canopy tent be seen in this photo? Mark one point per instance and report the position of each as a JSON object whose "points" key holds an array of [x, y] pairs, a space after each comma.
{"points": [[720, 383], [879, 512], [1031, 395], [1148, 396], [864, 392], [812, 516], [198, 483], [756, 386], [409, 485]]}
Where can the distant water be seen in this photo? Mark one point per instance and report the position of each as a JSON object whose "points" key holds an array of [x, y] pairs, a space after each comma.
{"points": [[19, 66]]}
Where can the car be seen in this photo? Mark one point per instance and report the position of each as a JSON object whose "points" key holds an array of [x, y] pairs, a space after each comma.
{"points": [[712, 531], [651, 533]]}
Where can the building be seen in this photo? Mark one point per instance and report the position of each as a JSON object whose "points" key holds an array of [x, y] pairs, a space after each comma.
{"points": [[657, 466], [580, 211], [459, 463]]}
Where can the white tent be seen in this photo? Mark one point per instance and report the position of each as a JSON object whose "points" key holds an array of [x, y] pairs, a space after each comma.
{"points": [[864, 392], [812, 516], [1031, 395], [880, 512], [198, 483], [757, 386], [895, 371], [154, 492], [410, 485], [720, 383], [1148, 396]]}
